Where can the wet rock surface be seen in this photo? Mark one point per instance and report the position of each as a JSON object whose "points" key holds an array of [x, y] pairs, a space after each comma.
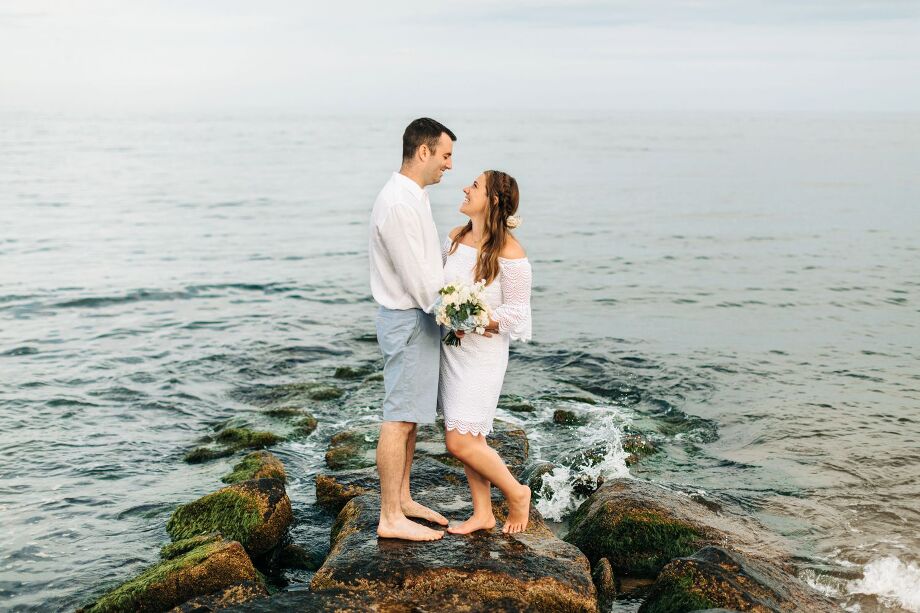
{"points": [[716, 577], [220, 601], [533, 570]]}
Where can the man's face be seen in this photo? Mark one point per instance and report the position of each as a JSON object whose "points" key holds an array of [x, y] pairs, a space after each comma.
{"points": [[439, 160]]}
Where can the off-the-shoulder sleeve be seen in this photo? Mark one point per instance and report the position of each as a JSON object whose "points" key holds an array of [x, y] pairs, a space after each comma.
{"points": [[513, 316]]}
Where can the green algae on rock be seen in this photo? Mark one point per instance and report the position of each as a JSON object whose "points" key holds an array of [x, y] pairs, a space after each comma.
{"points": [[230, 440], [718, 577], [172, 550], [204, 569], [256, 513], [257, 465], [352, 372], [639, 527], [515, 404]]}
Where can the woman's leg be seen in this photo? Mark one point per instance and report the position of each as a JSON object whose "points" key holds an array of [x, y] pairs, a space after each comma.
{"points": [[482, 517], [474, 452]]}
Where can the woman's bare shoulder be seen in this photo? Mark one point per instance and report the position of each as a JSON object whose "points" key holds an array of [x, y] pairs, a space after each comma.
{"points": [[453, 233], [512, 250]]}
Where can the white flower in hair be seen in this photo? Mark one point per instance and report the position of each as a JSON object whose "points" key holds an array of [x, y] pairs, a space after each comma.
{"points": [[513, 221]]}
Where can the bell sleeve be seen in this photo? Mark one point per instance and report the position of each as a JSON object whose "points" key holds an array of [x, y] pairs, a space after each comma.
{"points": [[513, 316]]}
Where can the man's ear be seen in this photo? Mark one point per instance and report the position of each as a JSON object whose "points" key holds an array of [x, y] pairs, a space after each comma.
{"points": [[423, 152]]}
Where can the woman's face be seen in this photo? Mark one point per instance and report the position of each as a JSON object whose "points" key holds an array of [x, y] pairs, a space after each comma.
{"points": [[476, 202]]}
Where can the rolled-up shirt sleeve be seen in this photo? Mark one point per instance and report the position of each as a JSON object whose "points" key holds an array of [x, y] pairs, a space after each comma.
{"points": [[420, 274]]}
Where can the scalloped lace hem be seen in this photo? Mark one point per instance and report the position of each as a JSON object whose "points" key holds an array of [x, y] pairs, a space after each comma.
{"points": [[468, 427]]}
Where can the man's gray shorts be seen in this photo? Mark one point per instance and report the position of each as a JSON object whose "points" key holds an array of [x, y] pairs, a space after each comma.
{"points": [[411, 344]]}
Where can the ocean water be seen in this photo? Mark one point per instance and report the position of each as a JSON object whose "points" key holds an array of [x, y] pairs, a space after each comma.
{"points": [[744, 288]]}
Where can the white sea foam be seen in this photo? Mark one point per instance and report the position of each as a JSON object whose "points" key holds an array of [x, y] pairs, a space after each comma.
{"points": [[557, 495], [893, 582]]}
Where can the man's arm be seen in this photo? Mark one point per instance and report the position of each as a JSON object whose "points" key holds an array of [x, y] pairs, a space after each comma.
{"points": [[401, 234]]}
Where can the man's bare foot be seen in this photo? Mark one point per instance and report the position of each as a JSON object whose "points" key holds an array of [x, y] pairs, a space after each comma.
{"points": [[407, 530], [518, 512], [414, 509], [473, 524]]}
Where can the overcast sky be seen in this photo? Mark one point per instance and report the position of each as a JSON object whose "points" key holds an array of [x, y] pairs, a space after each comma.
{"points": [[229, 55]]}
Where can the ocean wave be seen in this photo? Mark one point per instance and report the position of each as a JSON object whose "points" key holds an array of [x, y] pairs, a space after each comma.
{"points": [[893, 582], [559, 493]]}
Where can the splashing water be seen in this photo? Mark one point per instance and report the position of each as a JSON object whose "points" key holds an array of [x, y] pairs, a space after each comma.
{"points": [[558, 495], [892, 581]]}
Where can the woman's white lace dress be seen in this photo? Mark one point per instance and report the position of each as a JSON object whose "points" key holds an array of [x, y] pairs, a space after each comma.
{"points": [[472, 374]]}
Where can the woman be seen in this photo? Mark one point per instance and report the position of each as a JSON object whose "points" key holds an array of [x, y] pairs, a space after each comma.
{"points": [[472, 373]]}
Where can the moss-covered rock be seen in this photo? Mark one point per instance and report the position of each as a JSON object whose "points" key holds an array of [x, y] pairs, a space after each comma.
{"points": [[256, 513], [565, 417], [257, 465], [208, 568], [172, 550], [353, 448], [515, 404], [639, 527], [229, 440], [716, 577], [352, 372]]}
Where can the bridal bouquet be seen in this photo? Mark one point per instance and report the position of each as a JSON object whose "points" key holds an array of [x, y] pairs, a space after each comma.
{"points": [[461, 307]]}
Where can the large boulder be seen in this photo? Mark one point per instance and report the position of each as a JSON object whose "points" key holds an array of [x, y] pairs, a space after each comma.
{"points": [[639, 527], [716, 577], [256, 513], [212, 566], [532, 570]]}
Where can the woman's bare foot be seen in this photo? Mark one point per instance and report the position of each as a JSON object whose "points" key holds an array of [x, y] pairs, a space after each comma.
{"points": [[414, 509], [473, 524], [518, 512], [407, 530]]}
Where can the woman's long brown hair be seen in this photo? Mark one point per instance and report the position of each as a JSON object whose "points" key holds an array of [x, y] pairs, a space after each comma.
{"points": [[502, 194]]}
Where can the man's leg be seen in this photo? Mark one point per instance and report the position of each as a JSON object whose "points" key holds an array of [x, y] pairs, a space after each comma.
{"points": [[410, 508], [391, 465]]}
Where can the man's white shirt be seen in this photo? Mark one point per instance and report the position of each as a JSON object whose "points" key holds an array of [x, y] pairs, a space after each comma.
{"points": [[405, 252]]}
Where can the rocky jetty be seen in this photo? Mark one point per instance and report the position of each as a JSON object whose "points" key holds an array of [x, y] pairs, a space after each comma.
{"points": [[630, 538]]}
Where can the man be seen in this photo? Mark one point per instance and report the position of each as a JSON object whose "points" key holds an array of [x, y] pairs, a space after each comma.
{"points": [[406, 274]]}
